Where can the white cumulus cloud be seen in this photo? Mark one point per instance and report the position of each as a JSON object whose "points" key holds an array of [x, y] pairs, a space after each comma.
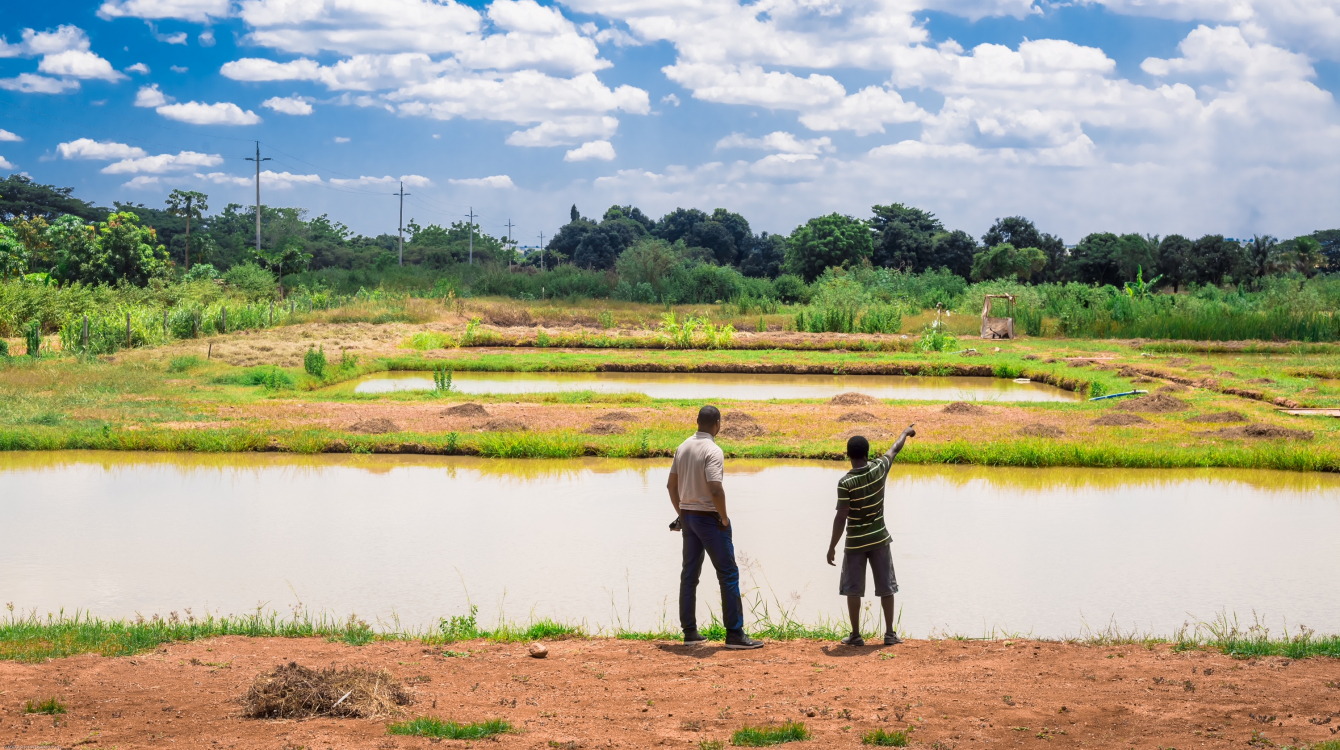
{"points": [[6, 164], [494, 181], [289, 105], [87, 148], [187, 10], [163, 163], [410, 180], [79, 64], [29, 83], [150, 96], [142, 182], [5, 135], [599, 150], [199, 113], [138, 67], [269, 179]]}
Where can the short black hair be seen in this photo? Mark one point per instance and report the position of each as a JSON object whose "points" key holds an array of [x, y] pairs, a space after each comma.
{"points": [[858, 447], [708, 416]]}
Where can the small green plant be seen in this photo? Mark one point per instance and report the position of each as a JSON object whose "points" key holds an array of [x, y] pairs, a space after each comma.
{"points": [[935, 339], [881, 738], [357, 632], [4, 348], [1141, 289], [442, 380], [605, 319], [50, 706], [348, 361], [428, 726], [461, 627], [185, 363], [542, 339], [32, 336], [471, 332], [791, 731], [762, 325], [425, 340], [711, 745], [314, 361]]}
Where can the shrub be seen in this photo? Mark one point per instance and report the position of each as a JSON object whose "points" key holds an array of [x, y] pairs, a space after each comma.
{"points": [[427, 726], [201, 272], [881, 738], [251, 280], [32, 336], [4, 348], [314, 362], [791, 731], [185, 364], [790, 289]]}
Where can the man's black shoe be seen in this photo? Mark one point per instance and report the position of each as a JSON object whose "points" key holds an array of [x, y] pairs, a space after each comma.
{"points": [[694, 637], [742, 642], [854, 639], [892, 639]]}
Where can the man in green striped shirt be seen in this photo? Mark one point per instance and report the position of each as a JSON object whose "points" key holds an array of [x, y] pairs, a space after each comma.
{"points": [[860, 510]]}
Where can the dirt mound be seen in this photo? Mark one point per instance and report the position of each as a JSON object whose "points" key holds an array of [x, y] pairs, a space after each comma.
{"points": [[854, 399], [1227, 374], [1173, 388], [858, 416], [1153, 403], [294, 692], [1038, 429], [1031, 357], [1263, 431], [1201, 368], [1221, 416], [741, 425], [1142, 380], [1261, 381], [1117, 419], [617, 416], [970, 353], [465, 410], [1179, 362], [503, 424], [378, 426], [963, 407], [605, 428]]}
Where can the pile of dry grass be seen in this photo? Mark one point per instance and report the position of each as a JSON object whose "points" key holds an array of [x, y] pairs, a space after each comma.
{"points": [[617, 416], [853, 399], [376, 426], [1153, 403], [292, 691], [1221, 416], [1116, 419], [605, 428], [1268, 431], [858, 416], [470, 410], [1037, 429], [963, 407], [740, 425], [503, 424]]}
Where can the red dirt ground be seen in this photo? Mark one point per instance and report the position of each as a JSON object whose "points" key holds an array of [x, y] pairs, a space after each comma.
{"points": [[609, 693]]}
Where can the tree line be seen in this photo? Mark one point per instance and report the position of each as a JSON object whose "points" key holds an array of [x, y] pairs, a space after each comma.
{"points": [[47, 230]]}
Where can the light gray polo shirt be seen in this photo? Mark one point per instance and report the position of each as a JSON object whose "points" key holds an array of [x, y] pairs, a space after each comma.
{"points": [[698, 461]]}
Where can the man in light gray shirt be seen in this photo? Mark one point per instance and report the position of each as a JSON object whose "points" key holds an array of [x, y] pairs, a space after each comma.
{"points": [[696, 491]]}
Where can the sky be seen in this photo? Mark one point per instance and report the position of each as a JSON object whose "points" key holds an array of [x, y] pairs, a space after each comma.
{"points": [[1150, 116]]}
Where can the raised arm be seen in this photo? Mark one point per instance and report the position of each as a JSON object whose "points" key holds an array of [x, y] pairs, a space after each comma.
{"points": [[898, 445]]}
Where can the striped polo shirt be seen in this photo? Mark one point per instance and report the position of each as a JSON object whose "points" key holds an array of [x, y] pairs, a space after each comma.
{"points": [[862, 490]]}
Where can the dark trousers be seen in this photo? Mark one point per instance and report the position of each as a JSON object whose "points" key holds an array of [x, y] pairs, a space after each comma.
{"points": [[702, 535]]}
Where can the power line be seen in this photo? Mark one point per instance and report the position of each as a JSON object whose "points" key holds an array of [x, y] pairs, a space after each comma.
{"points": [[401, 230], [258, 161]]}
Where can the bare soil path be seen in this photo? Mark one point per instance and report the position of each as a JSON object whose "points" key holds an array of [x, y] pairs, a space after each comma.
{"points": [[610, 693]]}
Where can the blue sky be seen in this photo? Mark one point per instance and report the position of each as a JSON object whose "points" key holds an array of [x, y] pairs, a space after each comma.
{"points": [[1155, 116]]}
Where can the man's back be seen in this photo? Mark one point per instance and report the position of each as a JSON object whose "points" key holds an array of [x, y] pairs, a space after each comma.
{"points": [[863, 491], [698, 460]]}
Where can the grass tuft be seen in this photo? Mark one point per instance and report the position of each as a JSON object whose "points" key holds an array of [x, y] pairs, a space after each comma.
{"points": [[428, 726], [881, 738], [791, 731], [50, 706]]}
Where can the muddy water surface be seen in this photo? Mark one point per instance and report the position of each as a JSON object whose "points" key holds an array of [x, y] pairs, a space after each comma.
{"points": [[1040, 551], [743, 387]]}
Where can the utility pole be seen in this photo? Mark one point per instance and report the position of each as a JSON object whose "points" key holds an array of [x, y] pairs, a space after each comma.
{"points": [[472, 235], [542, 251], [510, 250], [258, 161], [402, 195]]}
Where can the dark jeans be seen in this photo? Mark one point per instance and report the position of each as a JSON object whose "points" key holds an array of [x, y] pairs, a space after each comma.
{"points": [[701, 534]]}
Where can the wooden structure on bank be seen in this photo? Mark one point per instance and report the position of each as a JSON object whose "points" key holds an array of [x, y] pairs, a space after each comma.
{"points": [[997, 328]]}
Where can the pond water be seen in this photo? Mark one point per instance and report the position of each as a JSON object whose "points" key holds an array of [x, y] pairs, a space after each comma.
{"points": [[742, 387], [1035, 551]]}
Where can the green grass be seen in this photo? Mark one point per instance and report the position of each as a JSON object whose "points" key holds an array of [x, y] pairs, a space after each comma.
{"points": [[881, 738], [791, 731], [50, 706], [428, 726]]}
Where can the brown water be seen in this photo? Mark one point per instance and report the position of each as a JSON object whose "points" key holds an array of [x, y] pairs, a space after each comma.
{"points": [[742, 387], [1046, 551]]}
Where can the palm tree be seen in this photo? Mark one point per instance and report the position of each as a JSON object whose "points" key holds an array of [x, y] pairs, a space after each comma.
{"points": [[187, 203]]}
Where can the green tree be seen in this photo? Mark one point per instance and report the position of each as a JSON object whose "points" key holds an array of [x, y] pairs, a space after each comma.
{"points": [[649, 261], [1134, 253], [766, 258], [1094, 259], [20, 196], [1174, 251], [287, 258], [188, 204], [1258, 257], [827, 241], [954, 252], [1212, 260], [115, 250], [13, 254], [904, 237], [1004, 260], [1021, 232]]}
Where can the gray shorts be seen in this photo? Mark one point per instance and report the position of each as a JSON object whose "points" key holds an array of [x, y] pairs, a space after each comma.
{"points": [[853, 572]]}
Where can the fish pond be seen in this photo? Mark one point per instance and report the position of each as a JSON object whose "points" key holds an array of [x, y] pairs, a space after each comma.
{"points": [[730, 386], [1047, 552]]}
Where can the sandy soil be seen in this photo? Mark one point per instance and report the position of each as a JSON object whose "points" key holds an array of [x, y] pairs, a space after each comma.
{"points": [[607, 693]]}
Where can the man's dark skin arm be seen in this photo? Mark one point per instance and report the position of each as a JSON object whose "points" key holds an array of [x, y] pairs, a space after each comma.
{"points": [[840, 520]]}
